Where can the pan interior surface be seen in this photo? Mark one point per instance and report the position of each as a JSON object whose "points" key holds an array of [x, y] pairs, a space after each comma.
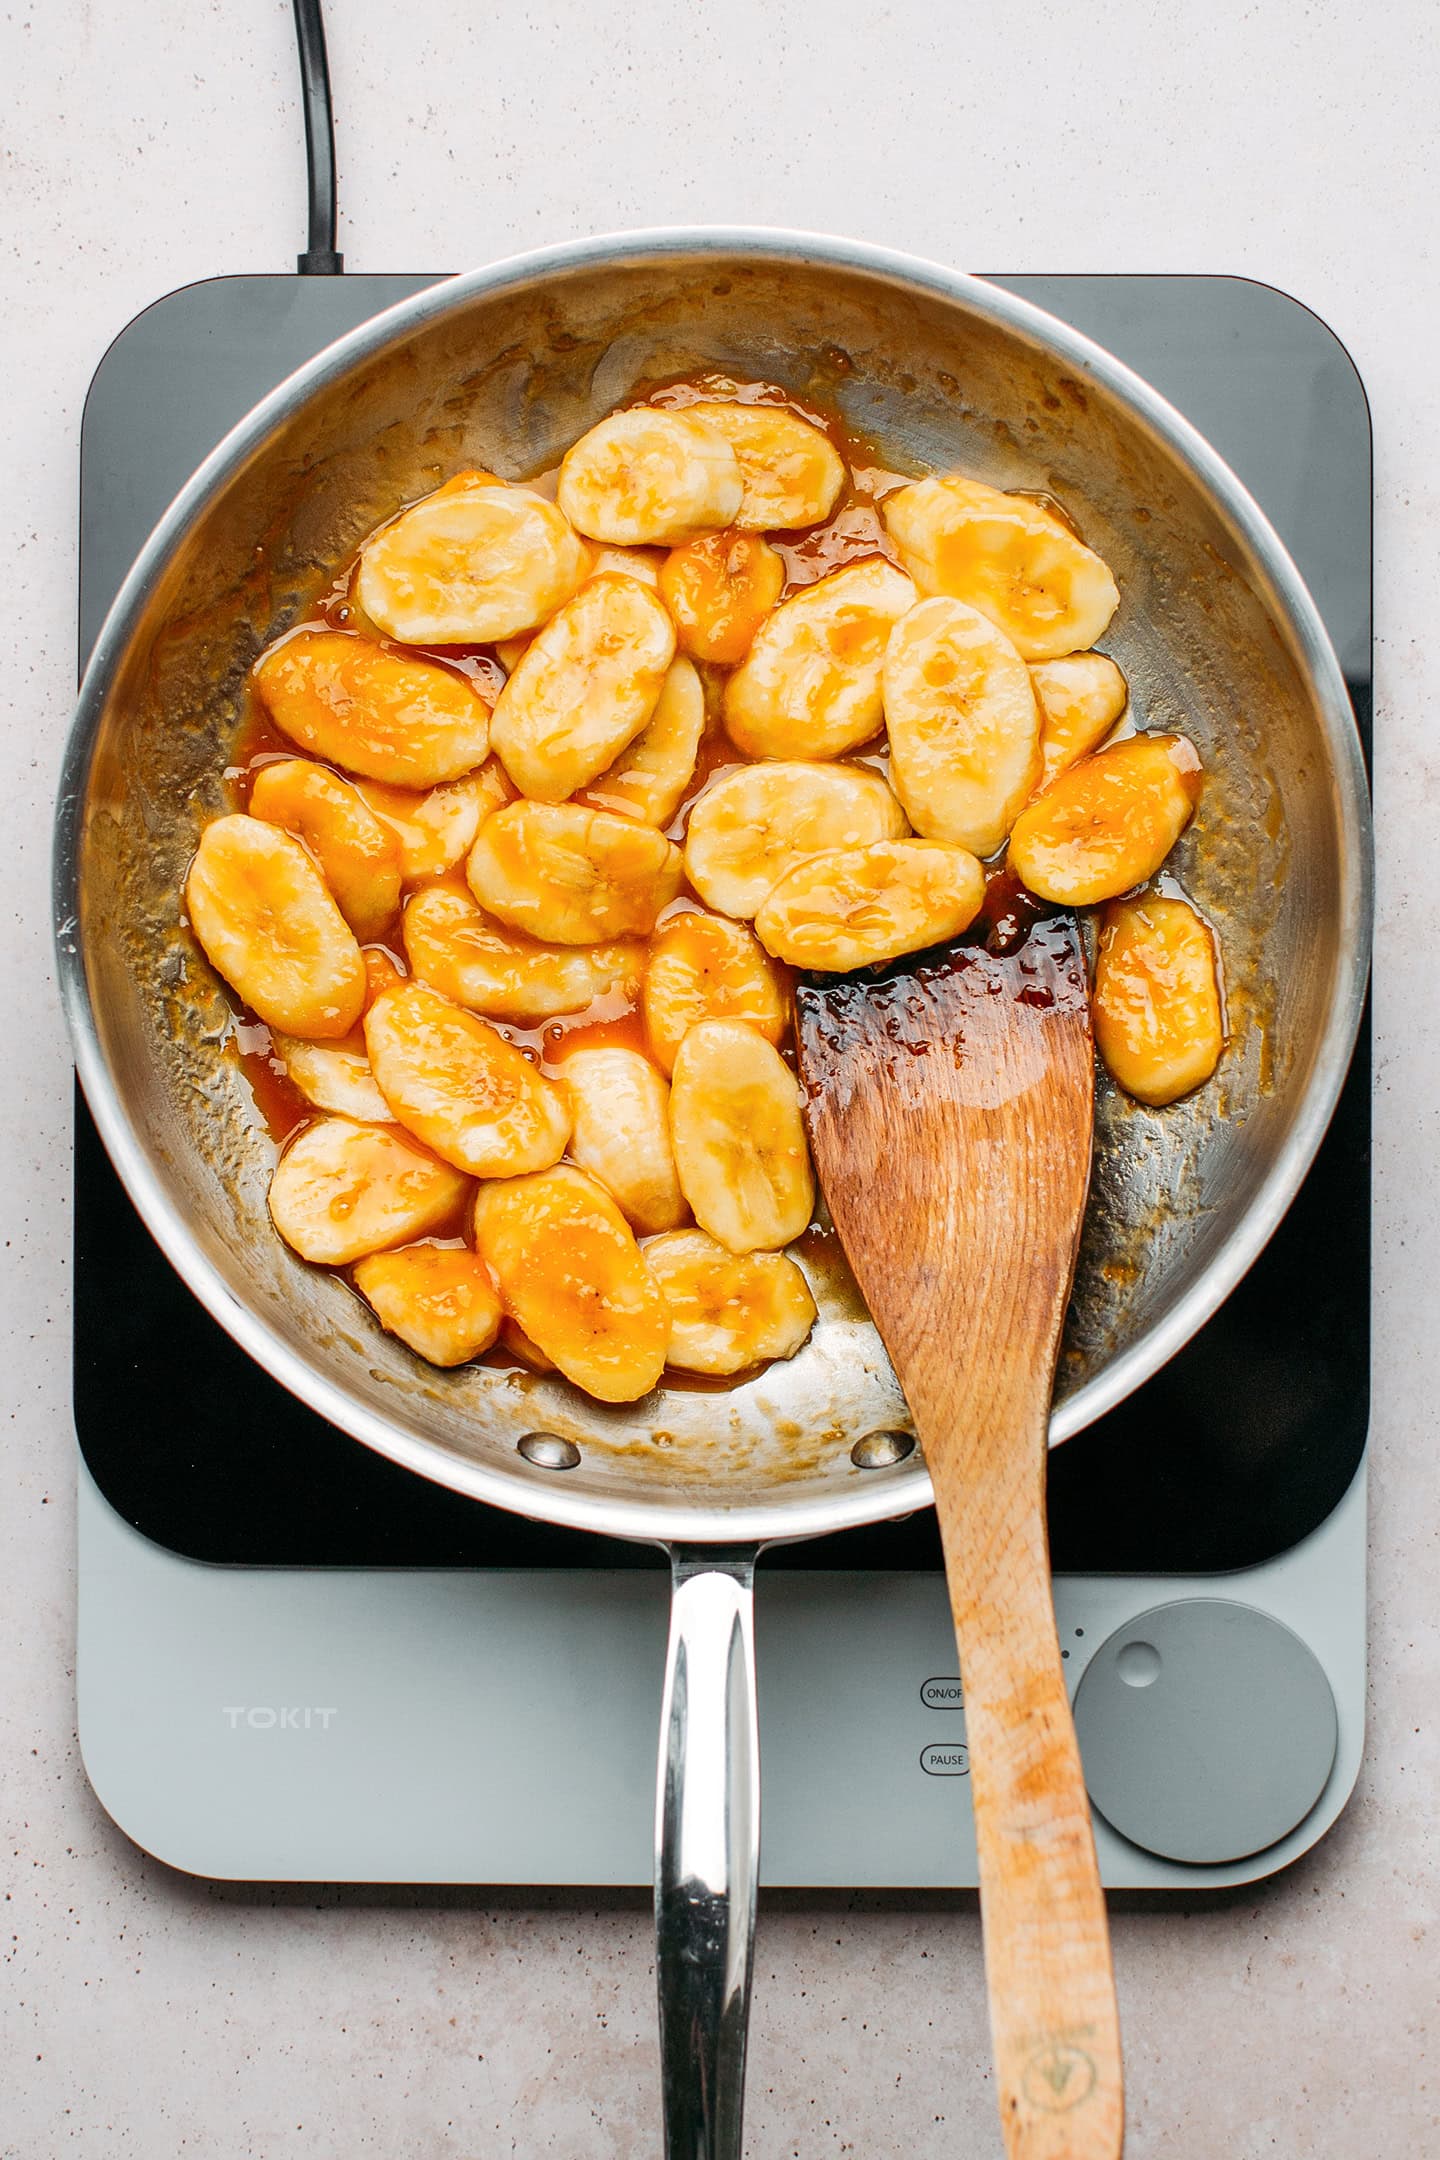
{"points": [[505, 369]]}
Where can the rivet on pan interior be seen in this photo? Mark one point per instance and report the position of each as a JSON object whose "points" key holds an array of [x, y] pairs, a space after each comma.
{"points": [[878, 1450], [548, 1451]]}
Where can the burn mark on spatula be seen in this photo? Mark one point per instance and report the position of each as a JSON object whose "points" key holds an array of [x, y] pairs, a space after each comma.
{"points": [[870, 1027]]}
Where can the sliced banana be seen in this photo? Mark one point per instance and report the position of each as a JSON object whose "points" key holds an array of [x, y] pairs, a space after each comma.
{"points": [[267, 923], [461, 483], [646, 478], [460, 951], [572, 1275], [333, 1076], [1108, 823], [1080, 698], [810, 687], [511, 651], [963, 725], [385, 715], [359, 856], [792, 472], [739, 1143], [470, 564], [440, 1301], [586, 687], [342, 1190], [573, 876], [701, 967], [636, 562], [728, 1311], [720, 589], [523, 1346], [460, 1087], [620, 1108], [1158, 1020], [1007, 556], [436, 829], [649, 778], [380, 972], [863, 905], [757, 821]]}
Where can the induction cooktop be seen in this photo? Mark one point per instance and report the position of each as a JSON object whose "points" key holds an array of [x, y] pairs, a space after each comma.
{"points": [[299, 1660]]}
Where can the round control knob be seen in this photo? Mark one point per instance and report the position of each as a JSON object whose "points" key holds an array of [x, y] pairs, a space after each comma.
{"points": [[1207, 1729]]}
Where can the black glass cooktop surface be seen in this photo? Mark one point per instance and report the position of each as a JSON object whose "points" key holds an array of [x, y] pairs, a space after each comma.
{"points": [[1229, 1455]]}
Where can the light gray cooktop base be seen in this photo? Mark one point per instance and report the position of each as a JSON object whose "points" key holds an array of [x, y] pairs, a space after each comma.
{"points": [[500, 1726]]}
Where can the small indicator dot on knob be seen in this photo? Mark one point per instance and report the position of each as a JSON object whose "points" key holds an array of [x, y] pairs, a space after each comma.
{"points": [[1138, 1664]]}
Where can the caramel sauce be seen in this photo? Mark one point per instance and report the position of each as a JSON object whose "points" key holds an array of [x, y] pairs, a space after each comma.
{"points": [[279, 1105], [257, 742], [596, 1028], [853, 533], [1008, 913]]}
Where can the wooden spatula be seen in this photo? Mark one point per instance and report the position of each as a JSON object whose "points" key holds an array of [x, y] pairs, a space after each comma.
{"points": [[949, 1105]]}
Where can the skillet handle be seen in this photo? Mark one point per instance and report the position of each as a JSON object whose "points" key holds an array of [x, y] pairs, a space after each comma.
{"points": [[707, 1850]]}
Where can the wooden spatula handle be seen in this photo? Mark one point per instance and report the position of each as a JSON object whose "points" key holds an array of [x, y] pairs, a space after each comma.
{"points": [[949, 1107], [1047, 1952]]}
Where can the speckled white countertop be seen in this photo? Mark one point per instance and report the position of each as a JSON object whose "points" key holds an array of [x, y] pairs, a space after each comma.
{"points": [[144, 146]]}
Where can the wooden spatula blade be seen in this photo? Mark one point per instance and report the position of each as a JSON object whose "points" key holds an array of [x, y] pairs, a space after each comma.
{"points": [[949, 1101], [929, 1087]]}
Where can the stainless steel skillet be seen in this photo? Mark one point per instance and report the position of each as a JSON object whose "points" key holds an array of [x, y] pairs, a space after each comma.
{"points": [[505, 367]]}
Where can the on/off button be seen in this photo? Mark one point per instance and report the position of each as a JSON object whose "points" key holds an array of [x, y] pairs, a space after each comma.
{"points": [[942, 1695]]}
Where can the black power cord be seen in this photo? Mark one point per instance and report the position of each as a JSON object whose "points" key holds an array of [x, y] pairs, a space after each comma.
{"points": [[320, 258]]}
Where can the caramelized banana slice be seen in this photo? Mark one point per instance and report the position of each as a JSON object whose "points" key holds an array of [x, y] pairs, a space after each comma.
{"points": [[1080, 698], [572, 1275], [728, 1311], [621, 1132], [461, 483], [468, 565], [511, 651], [1158, 1022], [572, 876], [963, 724], [380, 972], [719, 590], [863, 905], [385, 715], [436, 830], [459, 951], [758, 821], [522, 1346], [1045, 589], [461, 1087], [439, 1301], [702, 967], [267, 923], [342, 1190], [648, 780], [585, 688], [647, 478], [333, 1076], [359, 857], [739, 1143], [642, 563], [1108, 823], [810, 687], [792, 472]]}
